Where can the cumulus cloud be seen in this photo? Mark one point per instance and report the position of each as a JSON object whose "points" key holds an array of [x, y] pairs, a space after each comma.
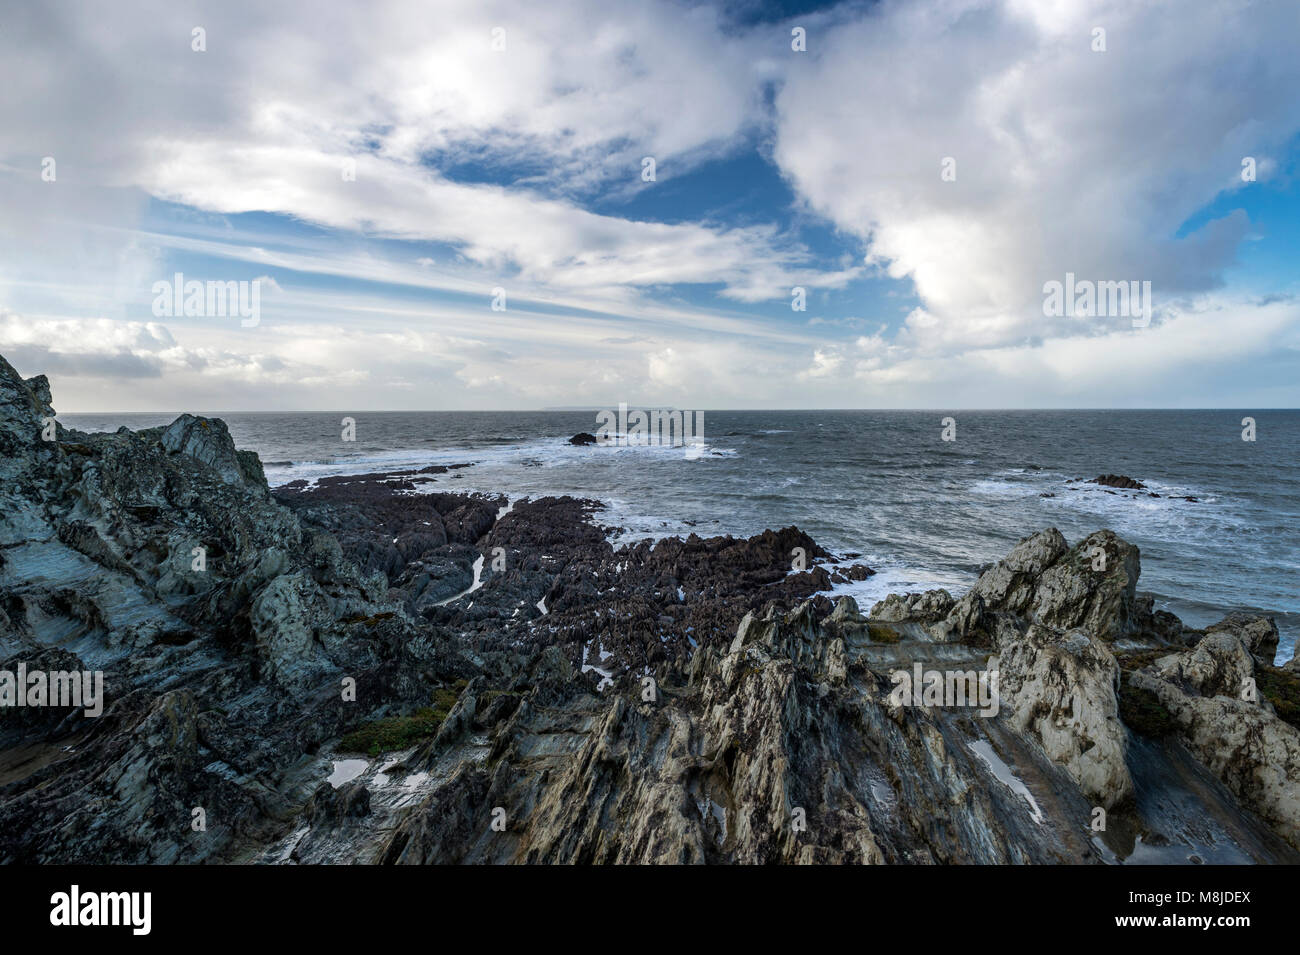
{"points": [[1066, 159]]}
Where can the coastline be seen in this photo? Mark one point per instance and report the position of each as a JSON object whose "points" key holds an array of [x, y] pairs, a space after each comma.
{"points": [[353, 671], [925, 514]]}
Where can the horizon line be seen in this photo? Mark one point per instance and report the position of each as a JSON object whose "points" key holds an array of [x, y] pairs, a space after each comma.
{"points": [[598, 408]]}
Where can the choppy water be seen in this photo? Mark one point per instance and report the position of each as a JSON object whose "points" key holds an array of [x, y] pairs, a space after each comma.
{"points": [[922, 511]]}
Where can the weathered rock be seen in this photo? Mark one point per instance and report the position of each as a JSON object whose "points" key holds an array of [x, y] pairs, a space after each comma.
{"points": [[1259, 634], [1241, 740], [281, 616], [1063, 688], [1010, 584], [39, 386], [929, 606], [1092, 586], [208, 440]]}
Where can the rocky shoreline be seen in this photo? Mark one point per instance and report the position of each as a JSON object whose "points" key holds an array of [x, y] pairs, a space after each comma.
{"points": [[366, 669]]}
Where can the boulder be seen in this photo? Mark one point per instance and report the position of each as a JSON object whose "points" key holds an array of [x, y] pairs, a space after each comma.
{"points": [[924, 607], [1092, 585], [1120, 481], [1230, 726], [1063, 688], [1258, 633], [208, 440]]}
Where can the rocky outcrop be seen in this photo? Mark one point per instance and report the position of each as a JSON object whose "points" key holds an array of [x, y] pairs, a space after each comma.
{"points": [[1220, 713], [1257, 634], [208, 440], [1063, 688], [931, 605], [1120, 481], [1091, 586]]}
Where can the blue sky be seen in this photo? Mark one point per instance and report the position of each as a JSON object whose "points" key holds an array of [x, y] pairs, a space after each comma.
{"points": [[497, 145]]}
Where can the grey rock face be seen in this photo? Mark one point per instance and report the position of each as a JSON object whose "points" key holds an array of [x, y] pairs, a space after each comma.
{"points": [[931, 605], [1063, 688], [1259, 634], [39, 386], [1232, 728], [208, 440], [1090, 586]]}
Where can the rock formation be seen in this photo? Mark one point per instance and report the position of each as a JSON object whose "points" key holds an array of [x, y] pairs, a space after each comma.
{"points": [[372, 668]]}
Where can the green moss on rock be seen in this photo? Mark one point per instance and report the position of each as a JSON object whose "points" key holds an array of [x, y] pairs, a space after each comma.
{"points": [[392, 732], [1142, 711], [879, 633], [1282, 689], [400, 732]]}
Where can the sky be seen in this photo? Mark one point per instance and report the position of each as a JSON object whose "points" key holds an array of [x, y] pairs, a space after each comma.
{"points": [[386, 173]]}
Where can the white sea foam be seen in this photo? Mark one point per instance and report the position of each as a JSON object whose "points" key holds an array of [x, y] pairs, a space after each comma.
{"points": [[547, 452], [891, 578]]}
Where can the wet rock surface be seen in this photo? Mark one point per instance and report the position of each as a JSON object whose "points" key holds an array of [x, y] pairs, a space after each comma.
{"points": [[371, 668], [1120, 481]]}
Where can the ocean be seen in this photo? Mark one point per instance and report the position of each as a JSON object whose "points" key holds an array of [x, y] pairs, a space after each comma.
{"points": [[923, 512]]}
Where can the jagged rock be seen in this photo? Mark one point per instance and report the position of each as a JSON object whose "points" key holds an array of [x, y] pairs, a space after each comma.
{"points": [[281, 617], [583, 438], [1090, 586], [208, 440], [1241, 740], [1010, 583], [39, 386], [1259, 634], [1160, 625], [967, 618], [1063, 688], [1219, 665], [846, 617], [929, 606], [21, 411]]}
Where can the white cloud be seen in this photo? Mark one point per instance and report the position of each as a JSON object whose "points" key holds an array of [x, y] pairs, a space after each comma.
{"points": [[1066, 159]]}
